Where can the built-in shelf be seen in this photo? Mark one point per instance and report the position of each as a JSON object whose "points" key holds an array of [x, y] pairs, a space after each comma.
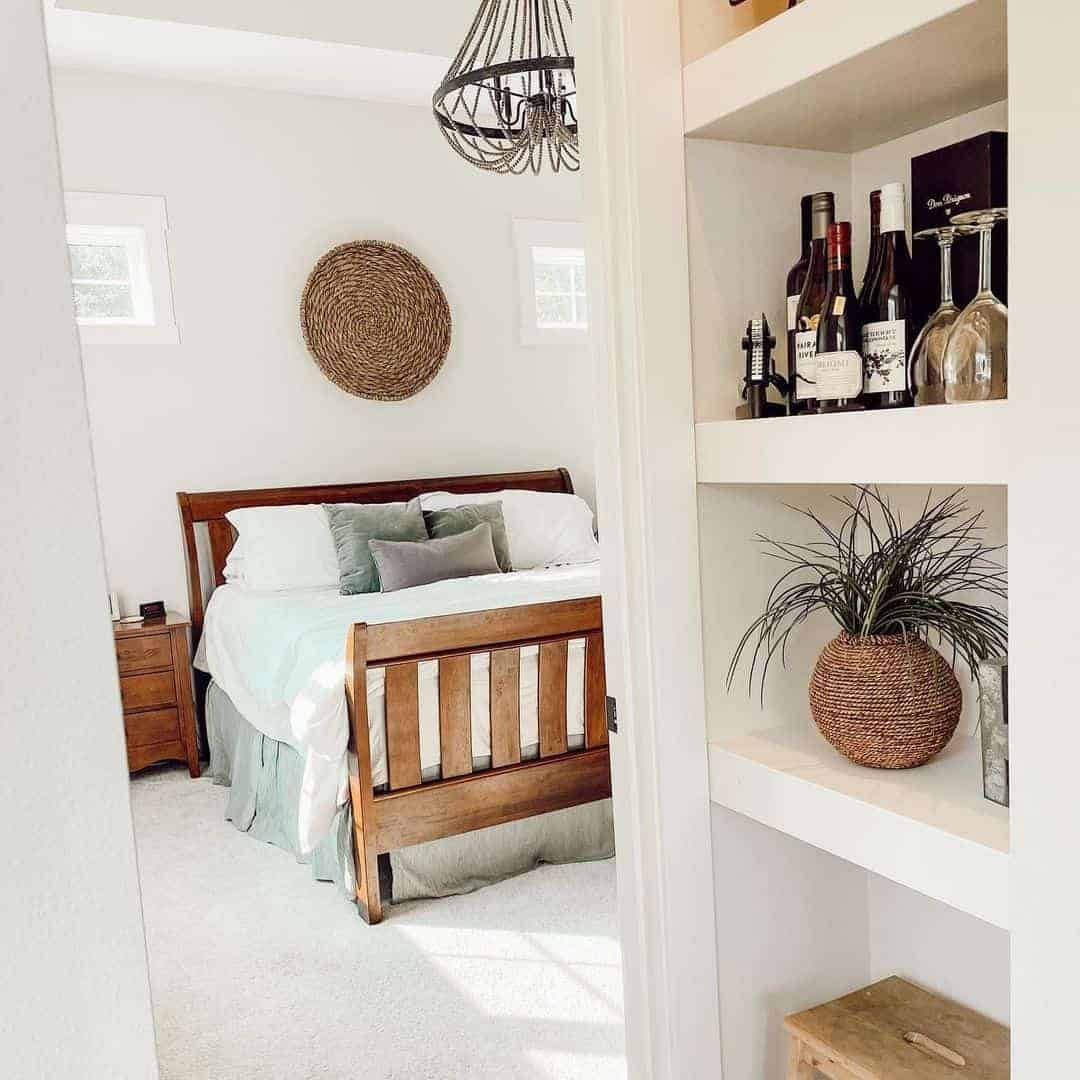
{"points": [[943, 444], [845, 75], [929, 829]]}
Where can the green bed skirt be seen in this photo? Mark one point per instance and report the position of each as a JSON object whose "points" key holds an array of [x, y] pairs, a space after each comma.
{"points": [[264, 778]]}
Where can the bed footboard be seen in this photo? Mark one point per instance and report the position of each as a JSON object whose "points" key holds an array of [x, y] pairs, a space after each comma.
{"points": [[412, 810]]}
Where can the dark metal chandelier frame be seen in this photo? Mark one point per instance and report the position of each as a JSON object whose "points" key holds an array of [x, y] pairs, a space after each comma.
{"points": [[507, 102]]}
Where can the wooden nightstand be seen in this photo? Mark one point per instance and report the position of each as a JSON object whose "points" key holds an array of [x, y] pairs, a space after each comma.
{"points": [[154, 662]]}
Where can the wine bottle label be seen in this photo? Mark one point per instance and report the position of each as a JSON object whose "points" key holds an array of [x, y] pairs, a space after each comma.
{"points": [[839, 375], [792, 311], [885, 356], [805, 364], [839, 304]]}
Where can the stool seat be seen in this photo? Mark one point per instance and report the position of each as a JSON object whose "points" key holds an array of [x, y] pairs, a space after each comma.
{"points": [[893, 1030]]}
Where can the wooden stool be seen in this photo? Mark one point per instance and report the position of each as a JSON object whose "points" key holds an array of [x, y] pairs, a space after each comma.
{"points": [[895, 1031]]}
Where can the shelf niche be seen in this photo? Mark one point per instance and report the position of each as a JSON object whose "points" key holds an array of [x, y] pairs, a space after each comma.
{"points": [[829, 876], [743, 228], [835, 875]]}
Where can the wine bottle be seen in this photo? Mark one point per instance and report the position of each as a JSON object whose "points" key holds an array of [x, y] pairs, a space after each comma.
{"points": [[795, 281], [887, 312], [811, 299], [874, 252], [839, 364]]}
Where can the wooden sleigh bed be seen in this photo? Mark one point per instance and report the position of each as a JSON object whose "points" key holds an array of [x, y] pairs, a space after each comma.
{"points": [[411, 810]]}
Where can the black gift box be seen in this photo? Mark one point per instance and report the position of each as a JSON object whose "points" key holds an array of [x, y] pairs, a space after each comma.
{"points": [[968, 175]]}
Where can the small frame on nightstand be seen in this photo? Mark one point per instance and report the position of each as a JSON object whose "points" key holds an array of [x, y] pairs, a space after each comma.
{"points": [[154, 662]]}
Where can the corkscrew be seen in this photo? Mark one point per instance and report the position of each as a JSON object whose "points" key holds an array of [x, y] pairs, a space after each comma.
{"points": [[758, 344]]}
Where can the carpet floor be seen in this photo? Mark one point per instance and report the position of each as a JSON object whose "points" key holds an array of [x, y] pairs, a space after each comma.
{"points": [[257, 971]]}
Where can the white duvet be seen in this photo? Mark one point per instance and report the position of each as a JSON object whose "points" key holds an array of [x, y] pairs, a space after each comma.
{"points": [[281, 659]]}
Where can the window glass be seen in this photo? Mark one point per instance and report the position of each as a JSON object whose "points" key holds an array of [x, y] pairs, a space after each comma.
{"points": [[110, 275], [101, 280], [553, 305], [559, 288]]}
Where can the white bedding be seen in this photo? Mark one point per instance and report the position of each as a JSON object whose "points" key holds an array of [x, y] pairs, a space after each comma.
{"points": [[280, 657]]}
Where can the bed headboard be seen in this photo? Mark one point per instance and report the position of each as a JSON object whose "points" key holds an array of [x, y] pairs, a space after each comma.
{"points": [[210, 508]]}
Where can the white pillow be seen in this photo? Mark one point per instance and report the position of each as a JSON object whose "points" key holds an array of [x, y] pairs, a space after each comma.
{"points": [[545, 528], [234, 564], [285, 547]]}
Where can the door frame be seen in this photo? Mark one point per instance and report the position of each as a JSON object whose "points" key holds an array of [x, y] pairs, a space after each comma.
{"points": [[630, 85]]}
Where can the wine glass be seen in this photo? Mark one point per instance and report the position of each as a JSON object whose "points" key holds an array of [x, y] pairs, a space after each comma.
{"points": [[977, 354], [928, 352]]}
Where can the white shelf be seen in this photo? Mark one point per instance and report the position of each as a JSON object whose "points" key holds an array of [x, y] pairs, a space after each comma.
{"points": [[844, 75], [929, 828], [942, 444]]}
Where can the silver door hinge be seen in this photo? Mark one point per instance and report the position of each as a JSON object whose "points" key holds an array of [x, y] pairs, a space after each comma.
{"points": [[612, 716]]}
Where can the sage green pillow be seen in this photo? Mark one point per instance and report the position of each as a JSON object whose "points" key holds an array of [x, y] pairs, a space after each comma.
{"points": [[459, 519], [352, 525]]}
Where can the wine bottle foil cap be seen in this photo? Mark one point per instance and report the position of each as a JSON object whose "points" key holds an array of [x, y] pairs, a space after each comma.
{"points": [[823, 212], [892, 207]]}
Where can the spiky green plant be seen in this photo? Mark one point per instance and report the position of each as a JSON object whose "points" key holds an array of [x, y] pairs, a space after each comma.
{"points": [[874, 575]]}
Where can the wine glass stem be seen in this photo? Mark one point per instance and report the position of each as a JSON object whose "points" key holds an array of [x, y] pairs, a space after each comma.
{"points": [[945, 243], [985, 238]]}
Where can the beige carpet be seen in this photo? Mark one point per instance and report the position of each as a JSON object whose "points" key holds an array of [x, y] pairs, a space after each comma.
{"points": [[258, 971]]}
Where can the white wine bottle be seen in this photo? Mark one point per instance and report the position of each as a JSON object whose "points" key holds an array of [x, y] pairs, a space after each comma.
{"points": [[887, 312]]}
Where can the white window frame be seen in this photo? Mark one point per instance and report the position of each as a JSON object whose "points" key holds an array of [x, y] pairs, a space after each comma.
{"points": [[530, 234], [140, 223]]}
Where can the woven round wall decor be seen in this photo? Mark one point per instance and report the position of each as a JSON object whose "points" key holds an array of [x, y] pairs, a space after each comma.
{"points": [[375, 320]]}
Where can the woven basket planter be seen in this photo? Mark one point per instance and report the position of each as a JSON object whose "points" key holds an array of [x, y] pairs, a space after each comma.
{"points": [[883, 701]]}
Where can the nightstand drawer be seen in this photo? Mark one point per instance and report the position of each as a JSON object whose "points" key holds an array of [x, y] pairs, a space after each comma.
{"points": [[143, 653], [153, 726], [148, 691]]}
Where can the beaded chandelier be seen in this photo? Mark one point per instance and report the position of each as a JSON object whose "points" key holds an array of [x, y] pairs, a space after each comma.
{"points": [[507, 102]]}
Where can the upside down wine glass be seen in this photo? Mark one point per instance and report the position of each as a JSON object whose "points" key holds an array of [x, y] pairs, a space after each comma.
{"points": [[977, 354], [927, 375]]}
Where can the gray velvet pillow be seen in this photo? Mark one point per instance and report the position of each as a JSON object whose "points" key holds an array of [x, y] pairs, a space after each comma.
{"points": [[352, 525], [403, 564], [459, 519]]}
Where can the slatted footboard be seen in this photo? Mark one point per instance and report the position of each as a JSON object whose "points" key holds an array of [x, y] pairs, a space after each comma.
{"points": [[412, 810]]}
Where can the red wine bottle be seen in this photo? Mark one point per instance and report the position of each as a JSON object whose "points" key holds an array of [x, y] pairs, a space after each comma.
{"points": [[887, 312], [795, 280], [839, 368], [874, 252], [802, 397]]}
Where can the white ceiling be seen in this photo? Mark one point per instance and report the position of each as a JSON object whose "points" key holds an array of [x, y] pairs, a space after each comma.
{"points": [[436, 27], [393, 50]]}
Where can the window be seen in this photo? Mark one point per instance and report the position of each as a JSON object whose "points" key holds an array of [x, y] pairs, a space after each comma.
{"points": [[110, 276], [551, 280], [120, 269]]}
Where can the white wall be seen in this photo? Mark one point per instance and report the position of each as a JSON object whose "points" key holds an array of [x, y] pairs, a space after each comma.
{"points": [[938, 947], [74, 997], [1044, 205], [792, 925], [258, 186]]}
